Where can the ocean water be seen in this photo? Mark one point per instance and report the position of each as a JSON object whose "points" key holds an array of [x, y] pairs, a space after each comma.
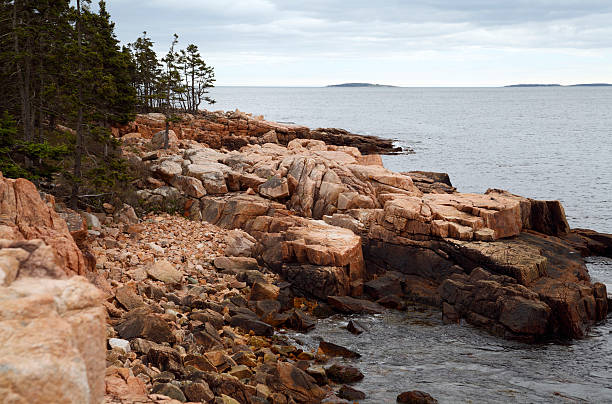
{"points": [[543, 143]]}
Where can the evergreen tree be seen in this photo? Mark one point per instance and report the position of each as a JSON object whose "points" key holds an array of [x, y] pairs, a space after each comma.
{"points": [[198, 78], [66, 82], [147, 71], [170, 90], [104, 96]]}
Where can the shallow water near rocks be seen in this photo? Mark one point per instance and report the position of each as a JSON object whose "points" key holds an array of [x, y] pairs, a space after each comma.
{"points": [[543, 143], [414, 350]]}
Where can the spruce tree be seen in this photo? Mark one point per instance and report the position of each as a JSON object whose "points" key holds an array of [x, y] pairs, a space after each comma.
{"points": [[147, 71]]}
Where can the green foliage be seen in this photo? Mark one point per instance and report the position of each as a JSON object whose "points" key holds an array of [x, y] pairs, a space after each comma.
{"points": [[198, 78], [27, 159], [177, 83]]}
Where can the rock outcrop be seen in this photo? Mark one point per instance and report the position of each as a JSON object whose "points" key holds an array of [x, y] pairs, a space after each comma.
{"points": [[25, 216], [233, 130], [52, 326], [376, 220]]}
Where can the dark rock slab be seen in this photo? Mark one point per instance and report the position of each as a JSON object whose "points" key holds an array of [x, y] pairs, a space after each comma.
{"points": [[355, 327], [300, 321], [165, 358], [388, 284], [145, 326], [343, 374], [347, 304], [198, 392], [170, 390], [331, 349], [249, 323], [415, 397], [351, 394]]}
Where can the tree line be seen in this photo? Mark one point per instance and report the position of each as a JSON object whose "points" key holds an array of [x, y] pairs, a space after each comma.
{"points": [[66, 80]]}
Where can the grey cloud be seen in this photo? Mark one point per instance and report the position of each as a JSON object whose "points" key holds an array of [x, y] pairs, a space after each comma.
{"points": [[347, 29]]}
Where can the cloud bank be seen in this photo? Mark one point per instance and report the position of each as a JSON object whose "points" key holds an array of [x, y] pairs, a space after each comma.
{"points": [[424, 42]]}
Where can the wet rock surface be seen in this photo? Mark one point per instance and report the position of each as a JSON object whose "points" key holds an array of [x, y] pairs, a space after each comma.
{"points": [[415, 397]]}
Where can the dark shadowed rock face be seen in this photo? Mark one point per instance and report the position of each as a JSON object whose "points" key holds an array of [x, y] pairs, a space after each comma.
{"points": [[317, 281], [525, 287], [430, 182], [388, 284]]}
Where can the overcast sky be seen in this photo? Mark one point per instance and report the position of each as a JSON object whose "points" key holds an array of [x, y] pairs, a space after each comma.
{"points": [[399, 42]]}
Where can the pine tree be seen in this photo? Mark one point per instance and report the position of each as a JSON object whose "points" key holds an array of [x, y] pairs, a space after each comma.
{"points": [[170, 90], [198, 78]]}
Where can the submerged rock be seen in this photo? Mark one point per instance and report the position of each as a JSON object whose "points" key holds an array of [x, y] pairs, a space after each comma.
{"points": [[415, 397], [344, 374], [355, 327]]}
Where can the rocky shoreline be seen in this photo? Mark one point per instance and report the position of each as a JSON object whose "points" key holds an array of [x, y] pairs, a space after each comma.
{"points": [[277, 225]]}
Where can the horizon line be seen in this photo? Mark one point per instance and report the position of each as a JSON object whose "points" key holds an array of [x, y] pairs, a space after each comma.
{"points": [[387, 86]]}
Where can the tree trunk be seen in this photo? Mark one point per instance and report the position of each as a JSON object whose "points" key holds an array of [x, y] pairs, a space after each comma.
{"points": [[166, 134], [193, 100], [79, 137]]}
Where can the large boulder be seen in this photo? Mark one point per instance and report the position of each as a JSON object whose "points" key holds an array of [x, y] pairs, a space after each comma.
{"points": [[158, 139], [295, 383], [24, 216], [53, 341], [189, 186], [165, 272]]}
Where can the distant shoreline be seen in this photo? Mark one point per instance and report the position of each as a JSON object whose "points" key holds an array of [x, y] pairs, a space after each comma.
{"points": [[417, 87], [559, 85]]}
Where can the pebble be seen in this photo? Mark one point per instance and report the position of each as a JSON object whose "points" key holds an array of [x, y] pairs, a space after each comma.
{"points": [[121, 344]]}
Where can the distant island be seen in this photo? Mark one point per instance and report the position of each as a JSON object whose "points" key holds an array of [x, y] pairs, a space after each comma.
{"points": [[591, 85], [359, 85], [559, 85]]}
